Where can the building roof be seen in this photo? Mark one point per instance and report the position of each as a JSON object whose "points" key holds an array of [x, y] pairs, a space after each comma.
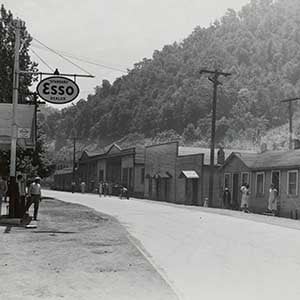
{"points": [[271, 159], [116, 150], [183, 151]]}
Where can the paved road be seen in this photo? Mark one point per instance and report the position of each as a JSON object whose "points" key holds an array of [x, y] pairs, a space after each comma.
{"points": [[209, 255]]}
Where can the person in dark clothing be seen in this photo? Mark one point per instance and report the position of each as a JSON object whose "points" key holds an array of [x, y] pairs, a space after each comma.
{"points": [[226, 198]]}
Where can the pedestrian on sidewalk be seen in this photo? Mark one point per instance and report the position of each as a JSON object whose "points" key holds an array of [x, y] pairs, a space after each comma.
{"points": [[272, 201], [100, 188], [105, 189], [226, 198], [245, 197], [21, 195], [3, 191], [73, 186], [34, 197], [82, 187]]}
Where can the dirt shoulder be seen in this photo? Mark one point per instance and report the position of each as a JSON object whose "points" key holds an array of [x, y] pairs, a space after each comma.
{"points": [[75, 253]]}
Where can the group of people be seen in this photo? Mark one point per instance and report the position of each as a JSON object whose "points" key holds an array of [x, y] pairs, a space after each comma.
{"points": [[272, 205], [26, 195], [105, 189]]}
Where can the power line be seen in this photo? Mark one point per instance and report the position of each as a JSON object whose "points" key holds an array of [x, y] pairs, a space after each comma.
{"points": [[42, 60], [60, 55], [89, 61]]}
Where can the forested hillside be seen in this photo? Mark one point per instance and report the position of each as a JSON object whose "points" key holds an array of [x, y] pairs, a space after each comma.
{"points": [[259, 45]]}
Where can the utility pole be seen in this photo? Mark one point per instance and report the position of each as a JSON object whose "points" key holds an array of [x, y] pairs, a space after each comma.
{"points": [[74, 162], [290, 120], [14, 129], [216, 82]]}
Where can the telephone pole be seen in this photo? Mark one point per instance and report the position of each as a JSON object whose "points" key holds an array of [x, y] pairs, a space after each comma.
{"points": [[290, 120], [214, 79], [14, 129]]}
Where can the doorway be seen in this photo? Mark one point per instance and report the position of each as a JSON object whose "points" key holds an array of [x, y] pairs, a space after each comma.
{"points": [[235, 190], [276, 179], [195, 192]]}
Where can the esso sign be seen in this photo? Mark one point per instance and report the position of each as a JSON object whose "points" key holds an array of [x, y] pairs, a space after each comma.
{"points": [[57, 89]]}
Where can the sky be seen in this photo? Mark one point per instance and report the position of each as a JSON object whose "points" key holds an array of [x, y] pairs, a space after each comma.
{"points": [[111, 33]]}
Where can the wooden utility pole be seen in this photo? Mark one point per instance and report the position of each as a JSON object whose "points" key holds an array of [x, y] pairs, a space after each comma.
{"points": [[215, 82], [74, 163], [14, 129], [290, 120]]}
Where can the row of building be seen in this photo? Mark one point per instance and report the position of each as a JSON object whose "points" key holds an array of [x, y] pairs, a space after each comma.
{"points": [[171, 173]]}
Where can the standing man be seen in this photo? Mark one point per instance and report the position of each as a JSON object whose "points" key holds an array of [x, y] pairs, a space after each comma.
{"points": [[82, 187], [100, 190], [226, 198], [73, 186], [34, 194], [3, 191], [21, 195]]}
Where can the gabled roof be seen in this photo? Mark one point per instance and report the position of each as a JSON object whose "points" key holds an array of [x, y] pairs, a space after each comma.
{"points": [[269, 159], [114, 148]]}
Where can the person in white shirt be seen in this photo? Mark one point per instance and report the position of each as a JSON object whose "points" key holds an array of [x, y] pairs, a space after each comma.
{"points": [[3, 190], [34, 194]]}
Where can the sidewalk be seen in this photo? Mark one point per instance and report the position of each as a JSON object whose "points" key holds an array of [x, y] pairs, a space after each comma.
{"points": [[75, 253]]}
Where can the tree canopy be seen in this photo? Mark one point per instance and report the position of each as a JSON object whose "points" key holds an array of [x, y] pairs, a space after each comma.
{"points": [[259, 46], [7, 45]]}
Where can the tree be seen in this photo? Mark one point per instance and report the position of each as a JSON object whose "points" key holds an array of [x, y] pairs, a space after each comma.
{"points": [[7, 43]]}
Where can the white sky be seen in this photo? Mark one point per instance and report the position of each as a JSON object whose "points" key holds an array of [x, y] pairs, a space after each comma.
{"points": [[116, 33]]}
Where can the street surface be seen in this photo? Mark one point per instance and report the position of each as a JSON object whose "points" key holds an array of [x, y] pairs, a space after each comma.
{"points": [[75, 253], [209, 254]]}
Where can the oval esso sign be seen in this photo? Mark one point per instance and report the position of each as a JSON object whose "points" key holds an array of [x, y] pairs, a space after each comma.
{"points": [[57, 89]]}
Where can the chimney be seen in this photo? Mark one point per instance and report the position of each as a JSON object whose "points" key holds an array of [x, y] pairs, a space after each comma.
{"points": [[296, 144], [220, 156], [263, 147]]}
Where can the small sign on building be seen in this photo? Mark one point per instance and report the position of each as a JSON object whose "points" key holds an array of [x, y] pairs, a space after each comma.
{"points": [[24, 133]]}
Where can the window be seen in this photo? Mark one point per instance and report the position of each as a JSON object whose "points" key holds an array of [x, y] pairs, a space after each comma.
{"points": [[292, 183], [142, 175], [245, 178], [227, 179], [260, 183]]}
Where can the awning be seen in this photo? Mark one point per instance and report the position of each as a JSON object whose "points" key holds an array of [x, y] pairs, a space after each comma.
{"points": [[190, 174], [163, 175]]}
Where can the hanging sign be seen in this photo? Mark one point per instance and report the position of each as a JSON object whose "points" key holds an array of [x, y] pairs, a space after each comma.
{"points": [[57, 89]]}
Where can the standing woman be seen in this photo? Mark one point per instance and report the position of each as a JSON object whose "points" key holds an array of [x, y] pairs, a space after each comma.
{"points": [[245, 197], [272, 201]]}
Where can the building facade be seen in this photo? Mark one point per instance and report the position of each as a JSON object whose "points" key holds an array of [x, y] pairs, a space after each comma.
{"points": [[280, 168], [116, 166]]}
